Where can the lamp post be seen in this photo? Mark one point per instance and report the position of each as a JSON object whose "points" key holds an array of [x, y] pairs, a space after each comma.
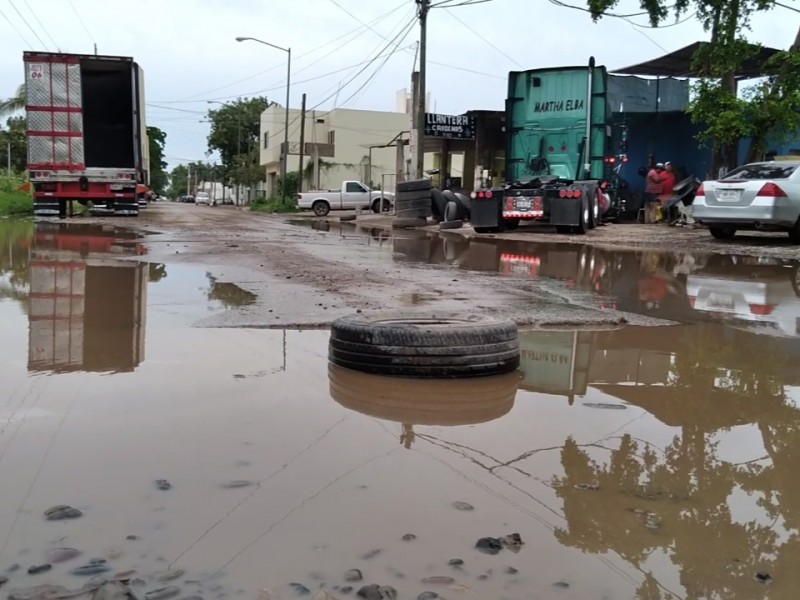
{"points": [[286, 118]]}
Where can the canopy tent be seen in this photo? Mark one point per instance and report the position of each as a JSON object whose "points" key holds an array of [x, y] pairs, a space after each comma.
{"points": [[679, 64]]}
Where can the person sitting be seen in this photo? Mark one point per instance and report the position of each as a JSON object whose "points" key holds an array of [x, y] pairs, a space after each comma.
{"points": [[653, 189]]}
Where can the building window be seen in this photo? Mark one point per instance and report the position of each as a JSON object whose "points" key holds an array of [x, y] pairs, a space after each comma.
{"points": [[331, 137], [266, 140]]}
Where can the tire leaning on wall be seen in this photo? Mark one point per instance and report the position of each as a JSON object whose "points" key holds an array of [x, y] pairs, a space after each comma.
{"points": [[413, 199]]}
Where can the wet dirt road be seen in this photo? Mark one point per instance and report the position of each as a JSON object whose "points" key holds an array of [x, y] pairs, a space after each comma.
{"points": [[634, 462]]}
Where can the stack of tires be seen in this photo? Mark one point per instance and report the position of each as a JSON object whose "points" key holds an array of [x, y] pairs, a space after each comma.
{"points": [[413, 203]]}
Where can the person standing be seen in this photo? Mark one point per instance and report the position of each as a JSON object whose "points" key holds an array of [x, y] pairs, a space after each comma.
{"points": [[654, 187], [668, 185]]}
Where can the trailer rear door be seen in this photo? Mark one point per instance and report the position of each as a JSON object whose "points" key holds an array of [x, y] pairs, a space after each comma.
{"points": [[54, 115]]}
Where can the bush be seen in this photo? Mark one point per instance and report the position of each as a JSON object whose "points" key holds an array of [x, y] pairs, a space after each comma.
{"points": [[12, 201], [273, 205]]}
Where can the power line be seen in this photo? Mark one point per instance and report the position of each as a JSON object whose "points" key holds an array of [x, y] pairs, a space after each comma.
{"points": [[80, 19], [480, 37], [787, 6], [28, 25], [46, 32], [358, 31], [365, 85], [22, 37]]}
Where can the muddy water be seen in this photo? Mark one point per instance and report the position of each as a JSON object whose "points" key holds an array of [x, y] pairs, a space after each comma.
{"points": [[640, 463]]}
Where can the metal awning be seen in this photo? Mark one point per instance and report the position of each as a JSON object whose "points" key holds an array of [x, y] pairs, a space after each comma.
{"points": [[679, 64]]}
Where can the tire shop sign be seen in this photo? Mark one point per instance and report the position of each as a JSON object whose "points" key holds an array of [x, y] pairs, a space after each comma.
{"points": [[453, 127]]}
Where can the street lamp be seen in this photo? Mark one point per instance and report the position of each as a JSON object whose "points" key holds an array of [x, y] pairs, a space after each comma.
{"points": [[286, 119]]}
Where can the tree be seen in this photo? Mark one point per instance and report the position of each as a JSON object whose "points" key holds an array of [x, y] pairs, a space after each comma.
{"points": [[178, 181], [15, 133], [727, 115], [158, 175], [235, 133], [14, 103]]}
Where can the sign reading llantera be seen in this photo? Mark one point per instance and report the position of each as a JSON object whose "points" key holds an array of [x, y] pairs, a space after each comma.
{"points": [[558, 106], [454, 127]]}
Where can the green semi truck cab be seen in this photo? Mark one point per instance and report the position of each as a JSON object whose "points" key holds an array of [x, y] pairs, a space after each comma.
{"points": [[557, 135]]}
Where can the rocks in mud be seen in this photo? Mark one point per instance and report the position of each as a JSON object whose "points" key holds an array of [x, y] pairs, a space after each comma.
{"points": [[346, 589], [39, 592], [377, 592], [59, 555], [163, 593], [439, 580], [231, 485], [353, 575], [561, 584], [163, 485], [112, 590], [61, 512], [491, 545], [371, 554], [512, 571], [300, 589], [95, 567], [455, 562], [763, 577], [165, 576], [463, 506], [3, 580], [428, 596], [409, 537], [587, 486], [36, 569]]}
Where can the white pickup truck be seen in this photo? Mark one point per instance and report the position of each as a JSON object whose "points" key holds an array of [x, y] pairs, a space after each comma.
{"points": [[353, 194]]}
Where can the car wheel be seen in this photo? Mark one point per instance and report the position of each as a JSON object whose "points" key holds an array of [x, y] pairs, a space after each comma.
{"points": [[321, 208], [794, 233], [722, 232], [425, 346], [376, 206]]}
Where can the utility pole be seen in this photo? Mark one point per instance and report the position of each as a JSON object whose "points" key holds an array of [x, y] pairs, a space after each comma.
{"points": [[423, 6], [8, 157], [302, 144], [189, 179]]}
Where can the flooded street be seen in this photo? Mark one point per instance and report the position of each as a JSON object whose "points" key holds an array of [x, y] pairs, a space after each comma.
{"points": [[208, 445]]}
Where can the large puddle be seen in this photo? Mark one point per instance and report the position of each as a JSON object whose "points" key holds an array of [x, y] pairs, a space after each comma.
{"points": [[645, 463]]}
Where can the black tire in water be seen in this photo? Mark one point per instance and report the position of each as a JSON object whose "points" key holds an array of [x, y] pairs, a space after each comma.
{"points": [[425, 346]]}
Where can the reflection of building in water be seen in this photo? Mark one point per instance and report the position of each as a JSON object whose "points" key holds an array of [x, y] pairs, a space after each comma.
{"points": [[87, 309]]}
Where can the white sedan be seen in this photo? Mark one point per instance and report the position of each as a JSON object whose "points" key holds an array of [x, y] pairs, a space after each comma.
{"points": [[761, 196], [203, 198]]}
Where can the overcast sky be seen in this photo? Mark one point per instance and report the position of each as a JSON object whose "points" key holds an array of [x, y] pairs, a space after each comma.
{"points": [[188, 51]]}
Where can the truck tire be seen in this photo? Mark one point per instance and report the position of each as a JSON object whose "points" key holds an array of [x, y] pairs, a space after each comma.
{"points": [[451, 224], [406, 223], [415, 185], [466, 204], [425, 346], [452, 212], [438, 204], [583, 224], [321, 208], [451, 197], [591, 190], [376, 205], [510, 224], [442, 403]]}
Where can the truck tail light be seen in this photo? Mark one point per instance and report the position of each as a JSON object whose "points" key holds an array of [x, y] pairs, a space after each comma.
{"points": [[562, 193], [509, 204], [488, 194], [761, 310], [700, 191], [770, 190]]}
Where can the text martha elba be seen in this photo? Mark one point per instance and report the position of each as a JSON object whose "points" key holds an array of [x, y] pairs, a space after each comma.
{"points": [[558, 106]]}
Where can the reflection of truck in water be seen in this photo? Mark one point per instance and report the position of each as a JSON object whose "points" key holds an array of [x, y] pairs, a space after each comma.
{"points": [[556, 362], [556, 130], [87, 309], [87, 136]]}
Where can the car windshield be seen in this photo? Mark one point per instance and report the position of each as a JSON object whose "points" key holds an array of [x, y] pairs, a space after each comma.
{"points": [[762, 171]]}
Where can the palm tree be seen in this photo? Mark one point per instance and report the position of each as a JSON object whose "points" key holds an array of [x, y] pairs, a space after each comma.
{"points": [[14, 103]]}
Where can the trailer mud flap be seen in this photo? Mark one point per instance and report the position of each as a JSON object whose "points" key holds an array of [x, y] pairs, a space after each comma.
{"points": [[487, 212], [565, 211]]}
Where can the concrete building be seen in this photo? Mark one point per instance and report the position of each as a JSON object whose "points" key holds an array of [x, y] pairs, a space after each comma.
{"points": [[348, 143]]}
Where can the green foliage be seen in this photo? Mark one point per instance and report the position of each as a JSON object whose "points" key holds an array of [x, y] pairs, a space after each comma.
{"points": [[178, 181], [14, 132], [770, 109], [235, 133], [292, 181], [157, 140], [13, 104], [273, 205], [14, 203]]}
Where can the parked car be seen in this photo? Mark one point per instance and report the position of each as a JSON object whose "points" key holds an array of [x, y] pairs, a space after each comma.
{"points": [[203, 198], [351, 195], [762, 196], [187, 199]]}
